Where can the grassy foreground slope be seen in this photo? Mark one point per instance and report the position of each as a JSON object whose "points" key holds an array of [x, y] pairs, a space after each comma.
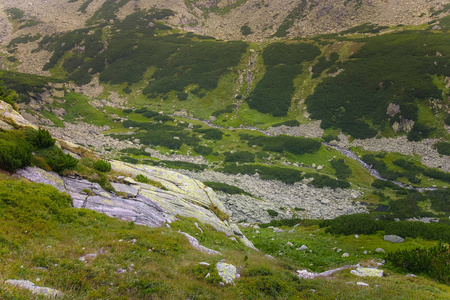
{"points": [[42, 238]]}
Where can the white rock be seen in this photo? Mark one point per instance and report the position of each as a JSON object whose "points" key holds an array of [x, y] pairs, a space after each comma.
{"points": [[345, 255], [361, 283]]}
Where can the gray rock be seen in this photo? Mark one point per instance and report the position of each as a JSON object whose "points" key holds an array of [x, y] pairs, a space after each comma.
{"points": [[290, 244], [303, 247], [345, 255], [380, 250], [226, 271], [278, 230], [367, 272], [393, 239], [37, 290], [194, 242]]}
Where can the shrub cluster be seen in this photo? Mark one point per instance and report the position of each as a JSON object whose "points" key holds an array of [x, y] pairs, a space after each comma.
{"points": [[324, 64], [342, 170], [58, 160], [102, 165], [321, 181], [239, 156], [380, 73], [366, 224], [283, 143], [273, 93], [226, 188], [272, 213], [210, 134], [42, 139], [432, 262], [443, 148], [15, 151]]}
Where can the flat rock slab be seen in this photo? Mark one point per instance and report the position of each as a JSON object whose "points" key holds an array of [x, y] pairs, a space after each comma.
{"points": [[393, 239], [37, 290], [367, 272]]}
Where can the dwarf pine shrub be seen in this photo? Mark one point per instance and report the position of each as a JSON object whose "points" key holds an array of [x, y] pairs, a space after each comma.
{"points": [[42, 139], [15, 151], [102, 165]]}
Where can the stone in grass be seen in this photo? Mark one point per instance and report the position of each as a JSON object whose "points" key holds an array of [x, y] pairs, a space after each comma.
{"points": [[345, 255], [393, 239], [380, 250], [303, 247], [226, 271], [361, 283], [37, 290], [367, 272]]}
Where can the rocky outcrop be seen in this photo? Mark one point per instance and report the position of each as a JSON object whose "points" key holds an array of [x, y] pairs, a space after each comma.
{"points": [[142, 203], [12, 117]]}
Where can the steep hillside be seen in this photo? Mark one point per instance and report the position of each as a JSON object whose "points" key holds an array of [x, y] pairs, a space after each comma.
{"points": [[171, 238]]}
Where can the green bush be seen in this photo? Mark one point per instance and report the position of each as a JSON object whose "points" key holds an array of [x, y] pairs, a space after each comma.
{"points": [[366, 224], [443, 148], [285, 175], [15, 151], [321, 181], [419, 132], [282, 143], [142, 178], [440, 200], [226, 188], [246, 30], [351, 224], [342, 170], [58, 160], [408, 207], [203, 150], [102, 165], [240, 156], [272, 213], [210, 134], [42, 139], [432, 262], [182, 165]]}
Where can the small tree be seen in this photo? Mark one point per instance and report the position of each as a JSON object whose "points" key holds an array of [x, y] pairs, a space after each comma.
{"points": [[102, 165], [42, 139]]}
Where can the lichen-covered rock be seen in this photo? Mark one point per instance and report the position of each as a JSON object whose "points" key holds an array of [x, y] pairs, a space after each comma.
{"points": [[367, 272], [25, 284], [144, 204], [226, 271], [10, 116]]}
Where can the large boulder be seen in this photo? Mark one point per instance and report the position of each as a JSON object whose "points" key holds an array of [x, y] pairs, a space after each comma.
{"points": [[393, 239], [10, 116]]}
